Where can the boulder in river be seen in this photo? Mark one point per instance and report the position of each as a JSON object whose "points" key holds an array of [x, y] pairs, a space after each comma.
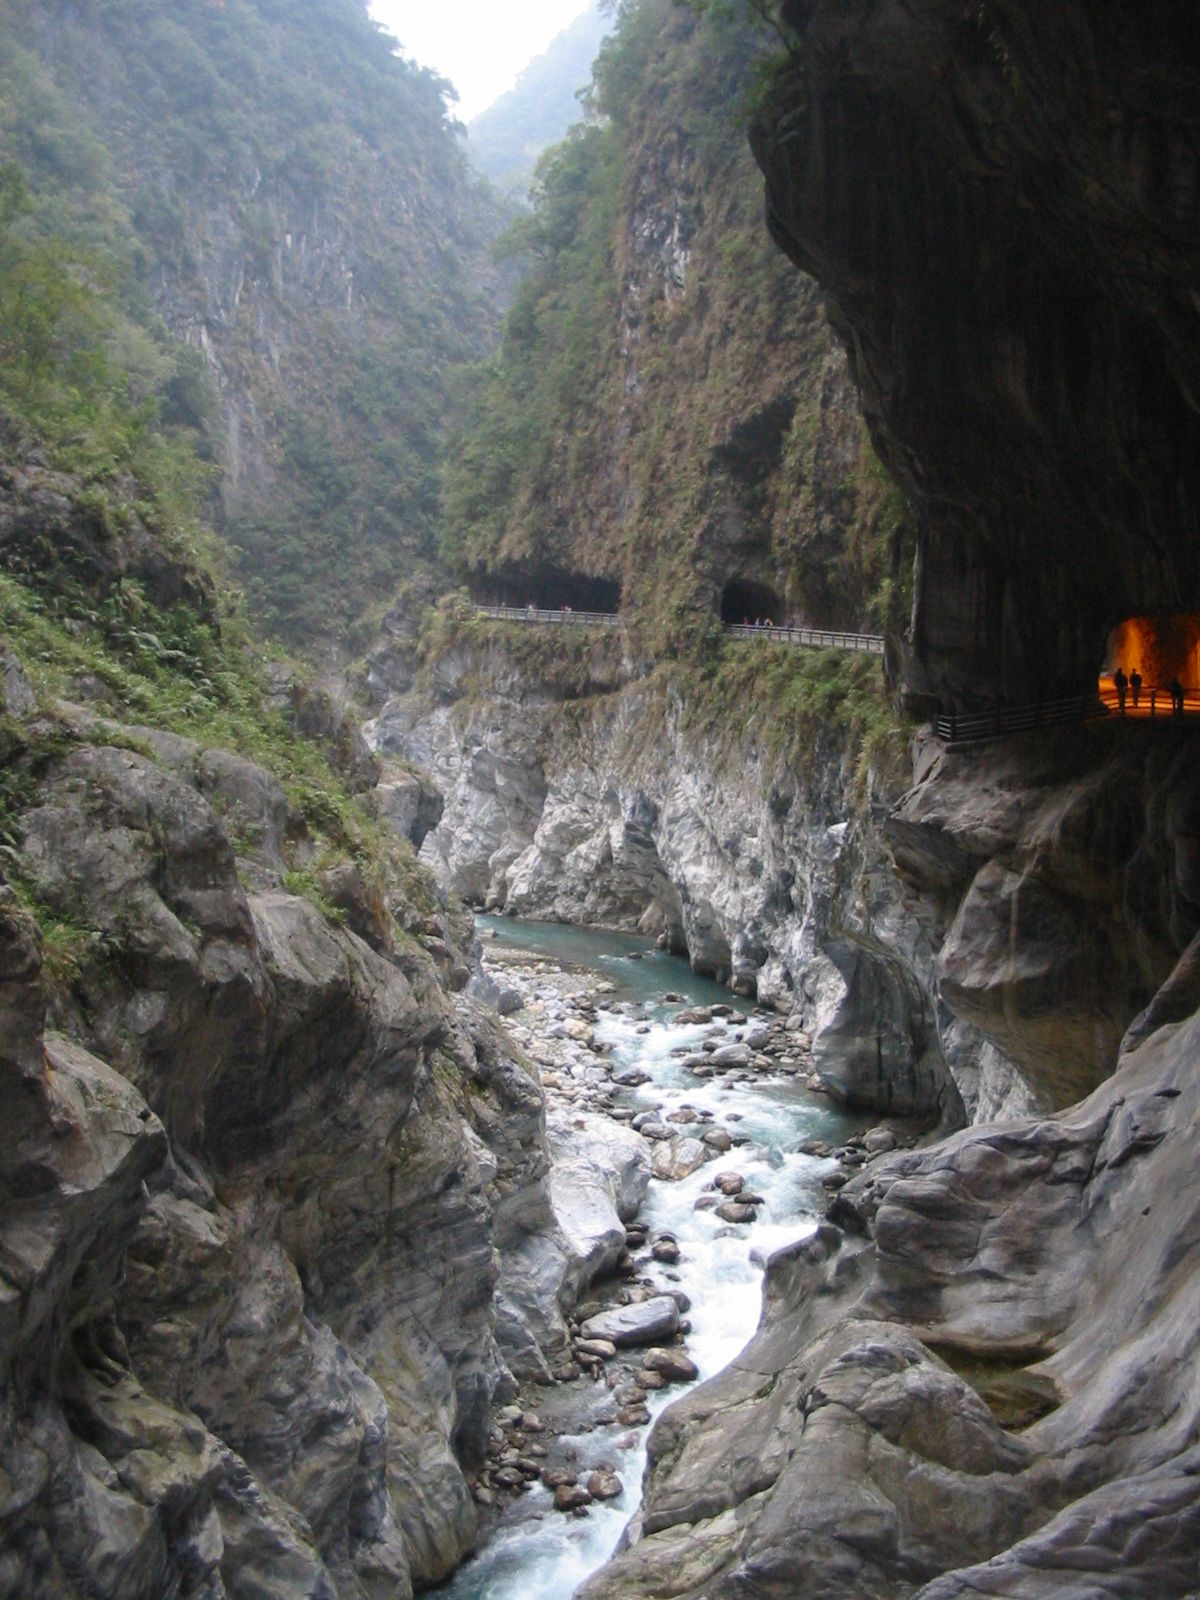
{"points": [[671, 1364], [732, 1055], [679, 1158], [570, 1497], [649, 1322], [630, 1077]]}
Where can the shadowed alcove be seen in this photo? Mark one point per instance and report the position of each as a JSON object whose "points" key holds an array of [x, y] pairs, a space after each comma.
{"points": [[743, 600], [549, 588]]}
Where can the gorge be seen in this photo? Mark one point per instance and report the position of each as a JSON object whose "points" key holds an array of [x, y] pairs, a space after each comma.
{"points": [[291, 1178]]}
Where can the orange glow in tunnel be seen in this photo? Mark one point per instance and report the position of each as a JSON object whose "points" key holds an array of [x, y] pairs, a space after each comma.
{"points": [[1160, 648]]}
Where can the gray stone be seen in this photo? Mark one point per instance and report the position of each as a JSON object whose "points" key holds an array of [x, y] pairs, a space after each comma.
{"points": [[648, 1322]]}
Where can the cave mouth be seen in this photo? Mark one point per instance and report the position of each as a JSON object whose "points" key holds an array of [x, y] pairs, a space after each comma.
{"points": [[547, 588], [744, 600], [1161, 647]]}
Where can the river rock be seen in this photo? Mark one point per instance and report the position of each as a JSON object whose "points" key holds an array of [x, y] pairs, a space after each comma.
{"points": [[630, 1077], [571, 1497], [678, 1159], [633, 1416], [599, 1173], [672, 1364], [731, 1055], [647, 1322], [604, 1485], [602, 1349], [729, 1183], [658, 1132], [717, 1139], [735, 1211]]}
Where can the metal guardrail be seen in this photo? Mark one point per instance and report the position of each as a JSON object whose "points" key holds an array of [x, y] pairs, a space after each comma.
{"points": [[815, 638], [975, 727], [585, 619], [972, 727]]}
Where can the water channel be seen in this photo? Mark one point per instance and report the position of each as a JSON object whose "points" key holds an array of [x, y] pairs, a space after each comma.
{"points": [[536, 1551]]}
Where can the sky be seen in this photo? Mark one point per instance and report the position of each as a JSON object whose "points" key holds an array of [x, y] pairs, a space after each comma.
{"points": [[479, 45]]}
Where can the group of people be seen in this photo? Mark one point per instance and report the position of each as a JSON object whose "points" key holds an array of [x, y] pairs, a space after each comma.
{"points": [[1131, 687]]}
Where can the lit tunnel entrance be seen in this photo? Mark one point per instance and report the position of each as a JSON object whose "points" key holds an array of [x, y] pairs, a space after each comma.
{"points": [[1156, 654]]}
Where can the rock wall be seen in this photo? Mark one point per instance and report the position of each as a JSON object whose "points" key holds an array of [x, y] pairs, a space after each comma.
{"points": [[975, 945], [706, 432], [1009, 251], [251, 1232], [263, 1153]]}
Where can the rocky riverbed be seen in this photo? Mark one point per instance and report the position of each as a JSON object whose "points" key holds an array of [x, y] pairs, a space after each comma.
{"points": [[687, 1141]]}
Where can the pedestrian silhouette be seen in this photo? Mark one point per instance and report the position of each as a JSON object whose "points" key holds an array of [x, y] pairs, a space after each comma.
{"points": [[1135, 686], [1175, 690], [1121, 684]]}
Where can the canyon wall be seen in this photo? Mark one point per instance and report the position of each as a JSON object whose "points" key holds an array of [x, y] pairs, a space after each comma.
{"points": [[265, 1158], [668, 423]]}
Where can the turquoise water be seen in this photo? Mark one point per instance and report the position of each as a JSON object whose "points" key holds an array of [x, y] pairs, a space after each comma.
{"points": [[640, 972]]}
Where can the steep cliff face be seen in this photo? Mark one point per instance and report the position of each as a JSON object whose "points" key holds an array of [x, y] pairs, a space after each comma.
{"points": [[285, 194], [668, 423], [1002, 209], [263, 1154]]}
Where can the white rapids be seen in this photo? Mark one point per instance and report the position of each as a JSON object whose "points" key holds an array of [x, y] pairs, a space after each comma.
{"points": [[536, 1551]]}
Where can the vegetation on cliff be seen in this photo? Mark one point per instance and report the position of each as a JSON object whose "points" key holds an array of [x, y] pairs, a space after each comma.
{"points": [[269, 184], [109, 608], [668, 409]]}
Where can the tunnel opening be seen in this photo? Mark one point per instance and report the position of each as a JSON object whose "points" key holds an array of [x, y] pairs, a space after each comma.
{"points": [[547, 588], [745, 601], [1154, 652]]}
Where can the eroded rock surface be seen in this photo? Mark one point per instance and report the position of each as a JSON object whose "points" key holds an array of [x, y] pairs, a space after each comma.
{"points": [[756, 873], [251, 1206], [989, 1398]]}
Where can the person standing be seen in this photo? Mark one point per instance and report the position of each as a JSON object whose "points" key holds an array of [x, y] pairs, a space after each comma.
{"points": [[1175, 690], [1121, 685], [1135, 686]]}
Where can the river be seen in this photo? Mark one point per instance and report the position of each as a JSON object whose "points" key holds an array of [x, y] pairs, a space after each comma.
{"points": [[536, 1551]]}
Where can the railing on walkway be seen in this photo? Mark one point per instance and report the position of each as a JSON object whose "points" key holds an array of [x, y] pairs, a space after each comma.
{"points": [[579, 619], [814, 638], [969, 728], [1153, 706]]}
